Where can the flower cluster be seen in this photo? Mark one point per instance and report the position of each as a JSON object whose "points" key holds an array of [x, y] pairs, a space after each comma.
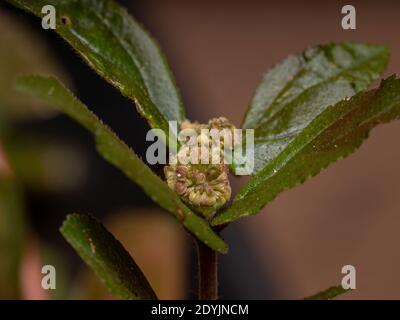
{"points": [[204, 186]]}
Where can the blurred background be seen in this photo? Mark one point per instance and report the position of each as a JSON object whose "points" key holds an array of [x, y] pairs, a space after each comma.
{"points": [[218, 51]]}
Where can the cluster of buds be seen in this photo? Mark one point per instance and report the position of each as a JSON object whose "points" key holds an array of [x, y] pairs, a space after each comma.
{"points": [[220, 127], [203, 186]]}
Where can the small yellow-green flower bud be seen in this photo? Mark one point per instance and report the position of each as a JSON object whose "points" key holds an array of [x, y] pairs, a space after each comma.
{"points": [[205, 188]]}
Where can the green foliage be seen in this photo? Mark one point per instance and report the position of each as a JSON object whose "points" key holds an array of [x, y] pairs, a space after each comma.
{"points": [[337, 132], [295, 92], [107, 257], [308, 112], [119, 50], [120, 155], [328, 294]]}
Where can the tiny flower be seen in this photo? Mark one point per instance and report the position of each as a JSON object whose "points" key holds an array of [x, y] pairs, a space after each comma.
{"points": [[204, 138], [197, 173], [228, 132], [205, 188], [186, 124]]}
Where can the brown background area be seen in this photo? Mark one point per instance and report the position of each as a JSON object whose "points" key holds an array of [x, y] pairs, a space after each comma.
{"points": [[350, 213]]}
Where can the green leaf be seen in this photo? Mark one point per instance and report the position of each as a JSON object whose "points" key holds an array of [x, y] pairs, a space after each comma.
{"points": [[12, 235], [296, 91], [107, 257], [328, 294], [120, 51], [337, 132], [120, 155]]}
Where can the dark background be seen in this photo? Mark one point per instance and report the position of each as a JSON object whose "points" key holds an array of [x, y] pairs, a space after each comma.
{"points": [[218, 51]]}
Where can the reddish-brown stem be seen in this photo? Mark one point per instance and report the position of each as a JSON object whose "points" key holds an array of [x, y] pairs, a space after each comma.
{"points": [[207, 272]]}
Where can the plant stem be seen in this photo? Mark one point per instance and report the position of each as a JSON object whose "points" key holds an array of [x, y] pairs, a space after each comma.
{"points": [[207, 272]]}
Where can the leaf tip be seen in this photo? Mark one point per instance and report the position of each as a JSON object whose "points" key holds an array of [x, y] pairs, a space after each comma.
{"points": [[329, 293], [71, 220]]}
